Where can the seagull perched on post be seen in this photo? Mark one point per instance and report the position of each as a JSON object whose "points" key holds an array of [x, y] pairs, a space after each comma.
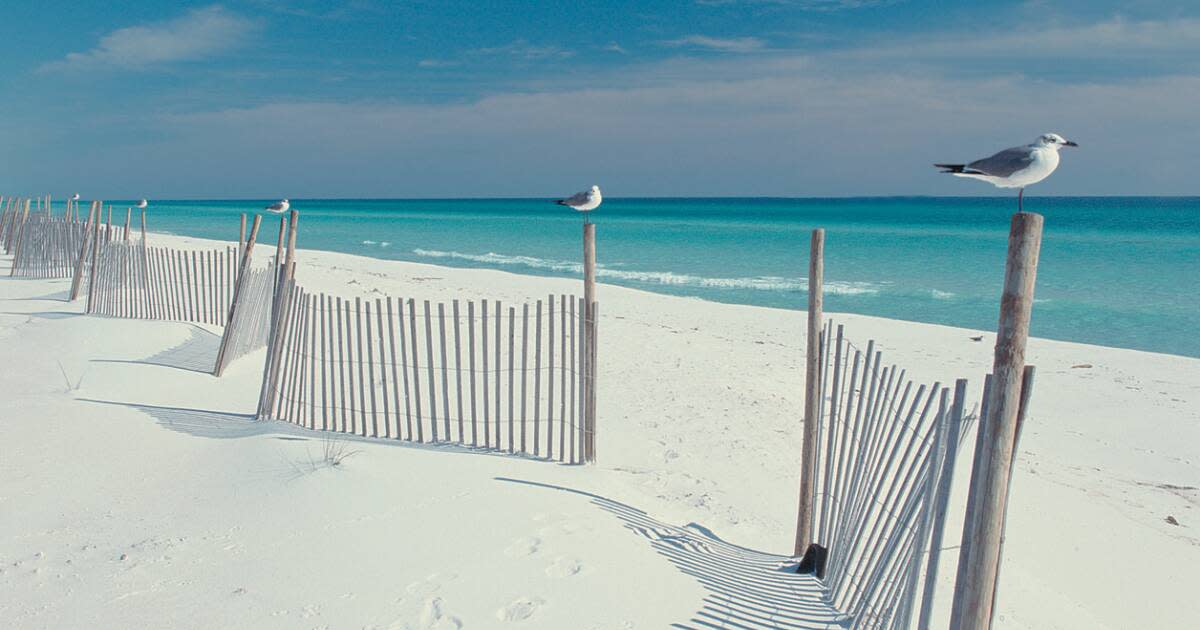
{"points": [[1017, 167], [584, 202], [75, 197], [279, 207], [141, 205]]}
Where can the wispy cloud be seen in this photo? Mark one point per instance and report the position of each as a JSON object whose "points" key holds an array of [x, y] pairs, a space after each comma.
{"points": [[523, 49], [727, 45], [438, 63], [615, 47], [806, 5], [198, 34], [1116, 37]]}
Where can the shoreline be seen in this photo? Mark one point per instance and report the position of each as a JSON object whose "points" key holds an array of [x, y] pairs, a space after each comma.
{"points": [[190, 241]]}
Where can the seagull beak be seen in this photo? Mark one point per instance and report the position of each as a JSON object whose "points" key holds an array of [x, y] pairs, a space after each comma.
{"points": [[1069, 143]]}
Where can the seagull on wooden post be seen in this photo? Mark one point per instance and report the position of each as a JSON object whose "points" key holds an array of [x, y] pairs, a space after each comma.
{"points": [[1017, 167], [584, 202], [141, 205], [279, 207]]}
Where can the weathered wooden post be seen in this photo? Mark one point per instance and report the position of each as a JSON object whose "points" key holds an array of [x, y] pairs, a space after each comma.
{"points": [[143, 228], [238, 294], [812, 558], [280, 313], [20, 237], [242, 235], [95, 255], [974, 596], [589, 335], [128, 217], [77, 278]]}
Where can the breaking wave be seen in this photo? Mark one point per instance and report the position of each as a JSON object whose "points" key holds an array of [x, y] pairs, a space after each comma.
{"points": [[758, 283]]}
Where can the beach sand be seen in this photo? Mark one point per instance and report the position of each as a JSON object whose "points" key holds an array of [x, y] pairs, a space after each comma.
{"points": [[135, 491]]}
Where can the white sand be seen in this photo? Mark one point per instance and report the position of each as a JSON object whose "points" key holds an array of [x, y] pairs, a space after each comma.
{"points": [[158, 509]]}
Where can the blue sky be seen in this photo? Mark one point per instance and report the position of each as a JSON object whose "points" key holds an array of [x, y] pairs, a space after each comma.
{"points": [[266, 98]]}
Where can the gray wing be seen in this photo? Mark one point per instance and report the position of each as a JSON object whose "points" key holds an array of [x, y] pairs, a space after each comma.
{"points": [[578, 199], [1004, 163]]}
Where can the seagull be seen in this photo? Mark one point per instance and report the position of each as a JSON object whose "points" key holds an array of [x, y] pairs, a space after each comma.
{"points": [[1017, 167], [75, 197], [584, 202], [280, 207], [141, 205]]}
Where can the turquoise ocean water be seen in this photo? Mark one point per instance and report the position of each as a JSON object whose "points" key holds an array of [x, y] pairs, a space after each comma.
{"points": [[1119, 272]]}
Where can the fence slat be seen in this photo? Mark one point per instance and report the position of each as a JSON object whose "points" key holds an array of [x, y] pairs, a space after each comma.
{"points": [[358, 359], [458, 397], [512, 325], [445, 373], [524, 368], [383, 379], [412, 322], [371, 375], [433, 430], [471, 369], [537, 381], [487, 429]]}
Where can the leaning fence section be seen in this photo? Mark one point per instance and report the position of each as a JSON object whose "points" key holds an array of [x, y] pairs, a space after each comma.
{"points": [[515, 378], [886, 447], [132, 280]]}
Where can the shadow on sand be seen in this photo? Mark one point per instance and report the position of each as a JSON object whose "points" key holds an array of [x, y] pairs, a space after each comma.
{"points": [[748, 590], [197, 353]]}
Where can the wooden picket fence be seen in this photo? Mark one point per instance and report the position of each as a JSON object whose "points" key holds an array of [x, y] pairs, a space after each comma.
{"points": [[132, 280], [886, 450], [513, 378], [48, 247]]}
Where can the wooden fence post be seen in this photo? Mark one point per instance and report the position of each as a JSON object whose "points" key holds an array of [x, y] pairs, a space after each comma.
{"points": [[77, 278], [812, 403], [279, 314], [975, 589], [238, 293], [589, 299], [20, 237], [95, 254]]}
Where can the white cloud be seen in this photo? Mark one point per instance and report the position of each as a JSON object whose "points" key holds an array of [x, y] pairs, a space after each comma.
{"points": [[437, 63], [198, 34], [1115, 38], [729, 45], [524, 50]]}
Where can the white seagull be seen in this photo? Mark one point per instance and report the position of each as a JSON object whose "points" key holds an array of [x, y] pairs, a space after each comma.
{"points": [[280, 207], [75, 197], [141, 205], [1017, 167], [584, 202]]}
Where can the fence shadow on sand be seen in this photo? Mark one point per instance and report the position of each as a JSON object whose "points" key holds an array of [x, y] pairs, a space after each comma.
{"points": [[197, 353], [225, 425], [748, 589]]}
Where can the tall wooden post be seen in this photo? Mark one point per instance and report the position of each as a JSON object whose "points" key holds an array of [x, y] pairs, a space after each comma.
{"points": [[77, 278], [20, 237], [95, 254], [974, 596], [143, 228], [128, 218], [812, 395], [589, 339], [238, 294], [280, 312], [242, 235]]}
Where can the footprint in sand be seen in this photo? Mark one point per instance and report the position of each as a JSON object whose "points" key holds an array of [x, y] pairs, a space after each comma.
{"points": [[521, 609], [521, 547], [434, 616], [564, 566]]}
